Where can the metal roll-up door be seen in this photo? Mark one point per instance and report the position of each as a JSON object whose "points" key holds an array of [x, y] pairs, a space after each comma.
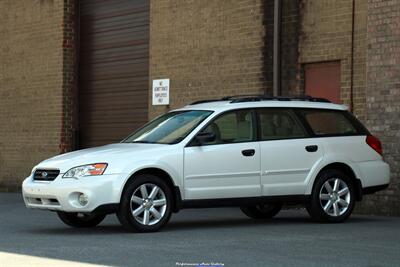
{"points": [[113, 69]]}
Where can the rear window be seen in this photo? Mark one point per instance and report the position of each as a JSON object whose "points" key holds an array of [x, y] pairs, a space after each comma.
{"points": [[329, 122]]}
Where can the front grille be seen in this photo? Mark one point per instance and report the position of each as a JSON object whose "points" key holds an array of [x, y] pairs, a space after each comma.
{"points": [[43, 201], [45, 175]]}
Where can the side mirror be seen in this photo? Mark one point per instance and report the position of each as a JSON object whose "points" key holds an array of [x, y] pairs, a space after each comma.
{"points": [[205, 137]]}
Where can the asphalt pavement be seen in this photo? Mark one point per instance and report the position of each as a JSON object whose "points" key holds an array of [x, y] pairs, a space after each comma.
{"points": [[223, 237]]}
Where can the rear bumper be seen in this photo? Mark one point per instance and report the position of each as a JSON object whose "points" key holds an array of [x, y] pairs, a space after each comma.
{"points": [[62, 193], [374, 174]]}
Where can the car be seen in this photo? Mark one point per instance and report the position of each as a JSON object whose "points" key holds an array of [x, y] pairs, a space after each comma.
{"points": [[254, 152]]}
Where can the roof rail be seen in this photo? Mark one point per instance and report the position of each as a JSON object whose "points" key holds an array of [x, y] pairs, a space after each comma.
{"points": [[256, 98], [205, 101], [233, 97], [279, 98]]}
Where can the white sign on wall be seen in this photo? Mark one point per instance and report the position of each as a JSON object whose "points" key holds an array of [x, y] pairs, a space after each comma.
{"points": [[161, 92]]}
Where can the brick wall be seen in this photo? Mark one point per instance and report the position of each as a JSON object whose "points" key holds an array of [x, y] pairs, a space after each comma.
{"points": [[31, 78], [268, 43], [383, 96], [289, 64], [69, 121], [207, 48], [291, 79], [325, 35]]}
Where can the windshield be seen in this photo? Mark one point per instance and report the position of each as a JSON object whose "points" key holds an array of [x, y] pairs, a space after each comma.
{"points": [[170, 128]]}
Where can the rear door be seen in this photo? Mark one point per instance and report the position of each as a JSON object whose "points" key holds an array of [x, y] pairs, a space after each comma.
{"points": [[228, 167], [287, 153]]}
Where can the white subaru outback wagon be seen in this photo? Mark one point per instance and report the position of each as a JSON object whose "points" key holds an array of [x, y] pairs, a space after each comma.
{"points": [[254, 152]]}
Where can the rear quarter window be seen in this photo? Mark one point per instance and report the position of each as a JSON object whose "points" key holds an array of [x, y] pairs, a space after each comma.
{"points": [[330, 122]]}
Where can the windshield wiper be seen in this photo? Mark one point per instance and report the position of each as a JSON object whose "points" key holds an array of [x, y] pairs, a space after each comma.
{"points": [[142, 142]]}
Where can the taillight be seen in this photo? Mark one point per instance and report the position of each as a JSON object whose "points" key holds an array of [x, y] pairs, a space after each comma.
{"points": [[374, 143]]}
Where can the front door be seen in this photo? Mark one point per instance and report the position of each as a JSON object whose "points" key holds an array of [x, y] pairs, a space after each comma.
{"points": [[228, 167]]}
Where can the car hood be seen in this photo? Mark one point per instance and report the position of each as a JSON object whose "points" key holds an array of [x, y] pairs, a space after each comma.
{"points": [[113, 153]]}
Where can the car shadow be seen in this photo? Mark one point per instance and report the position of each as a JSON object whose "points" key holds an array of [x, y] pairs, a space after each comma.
{"points": [[173, 226], [184, 225], [63, 230], [230, 223], [204, 224]]}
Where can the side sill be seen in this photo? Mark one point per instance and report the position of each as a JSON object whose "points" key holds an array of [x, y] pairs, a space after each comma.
{"points": [[373, 189], [178, 200], [358, 190], [247, 201], [106, 208]]}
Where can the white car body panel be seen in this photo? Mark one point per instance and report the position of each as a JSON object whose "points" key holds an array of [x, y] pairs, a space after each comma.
{"points": [[100, 190], [285, 165], [280, 167], [123, 160], [221, 171], [354, 152]]}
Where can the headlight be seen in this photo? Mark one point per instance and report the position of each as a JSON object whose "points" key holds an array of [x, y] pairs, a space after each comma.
{"points": [[86, 170]]}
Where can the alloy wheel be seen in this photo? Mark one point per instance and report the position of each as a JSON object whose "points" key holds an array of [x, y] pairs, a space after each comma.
{"points": [[335, 197], [148, 204]]}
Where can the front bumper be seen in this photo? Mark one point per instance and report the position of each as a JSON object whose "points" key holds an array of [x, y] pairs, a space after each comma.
{"points": [[62, 193]]}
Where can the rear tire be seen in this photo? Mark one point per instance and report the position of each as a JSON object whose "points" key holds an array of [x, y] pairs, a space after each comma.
{"points": [[146, 204], [332, 198], [262, 211], [80, 220]]}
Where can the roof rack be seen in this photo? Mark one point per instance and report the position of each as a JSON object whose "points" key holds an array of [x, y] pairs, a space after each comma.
{"points": [[205, 101], [279, 98], [256, 98]]}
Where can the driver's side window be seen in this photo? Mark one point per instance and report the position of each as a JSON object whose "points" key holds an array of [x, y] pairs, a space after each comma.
{"points": [[232, 127]]}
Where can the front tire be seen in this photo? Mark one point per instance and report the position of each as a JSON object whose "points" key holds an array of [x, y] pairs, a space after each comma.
{"points": [[332, 198], [145, 204], [80, 220], [262, 211]]}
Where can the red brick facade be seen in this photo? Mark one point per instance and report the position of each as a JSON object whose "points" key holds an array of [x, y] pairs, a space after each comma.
{"points": [[31, 78], [209, 49], [383, 96], [69, 120]]}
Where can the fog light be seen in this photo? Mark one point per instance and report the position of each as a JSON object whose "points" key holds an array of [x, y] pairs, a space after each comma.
{"points": [[83, 199]]}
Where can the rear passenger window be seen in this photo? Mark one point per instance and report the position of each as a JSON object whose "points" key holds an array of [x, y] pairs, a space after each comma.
{"points": [[279, 124], [329, 122]]}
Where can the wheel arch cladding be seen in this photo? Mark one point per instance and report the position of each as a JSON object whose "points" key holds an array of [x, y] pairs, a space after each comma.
{"points": [[163, 175], [343, 167]]}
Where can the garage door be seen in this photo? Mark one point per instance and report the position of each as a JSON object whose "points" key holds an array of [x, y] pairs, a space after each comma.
{"points": [[113, 69]]}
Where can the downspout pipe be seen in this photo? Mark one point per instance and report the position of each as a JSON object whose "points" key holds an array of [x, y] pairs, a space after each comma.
{"points": [[276, 69], [352, 56]]}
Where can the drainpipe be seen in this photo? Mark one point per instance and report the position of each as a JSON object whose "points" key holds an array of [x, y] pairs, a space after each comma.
{"points": [[276, 48], [352, 57]]}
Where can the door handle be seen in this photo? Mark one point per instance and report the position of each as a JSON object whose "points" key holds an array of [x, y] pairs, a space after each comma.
{"points": [[248, 152], [312, 148]]}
